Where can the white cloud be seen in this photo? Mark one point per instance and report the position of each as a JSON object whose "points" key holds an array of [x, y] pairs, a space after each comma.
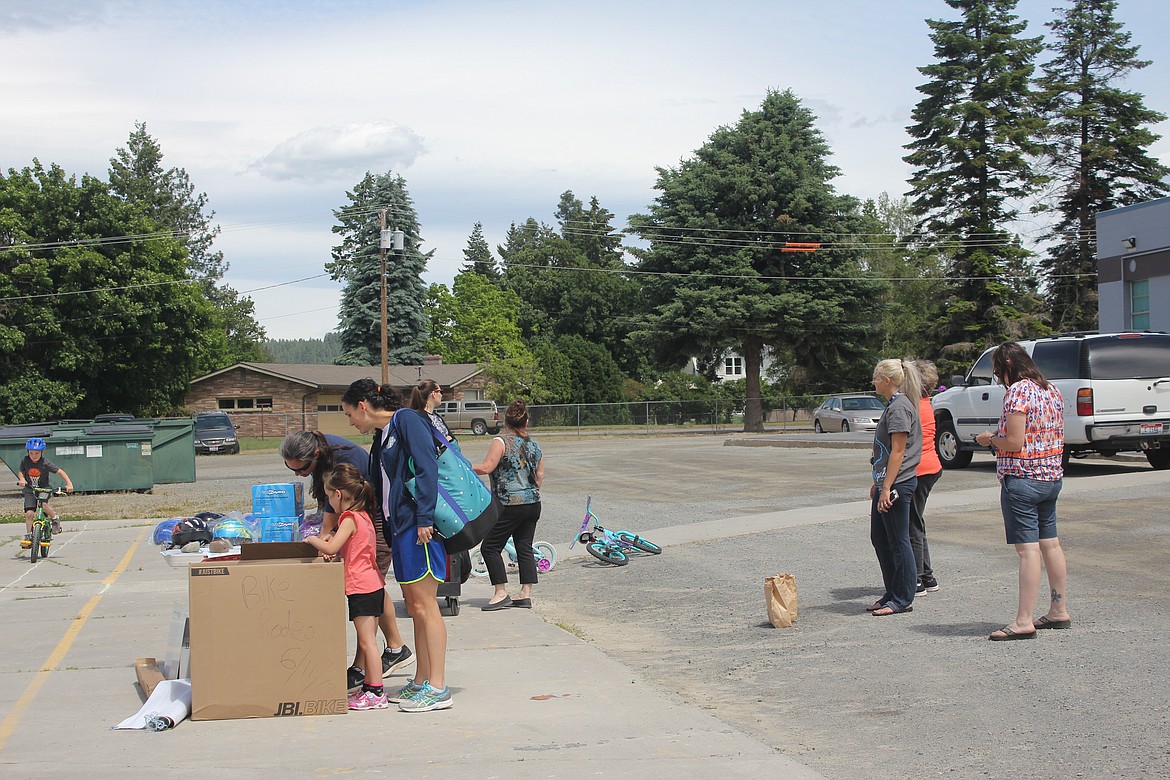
{"points": [[340, 152]]}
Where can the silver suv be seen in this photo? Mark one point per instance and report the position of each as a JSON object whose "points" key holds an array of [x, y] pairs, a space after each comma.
{"points": [[479, 417], [1116, 389]]}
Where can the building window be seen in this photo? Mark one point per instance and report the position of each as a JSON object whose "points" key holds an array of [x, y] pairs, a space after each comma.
{"points": [[1139, 304], [328, 407], [245, 403], [733, 366]]}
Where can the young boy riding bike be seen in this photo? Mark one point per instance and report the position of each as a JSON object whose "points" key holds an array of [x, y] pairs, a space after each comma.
{"points": [[34, 472]]}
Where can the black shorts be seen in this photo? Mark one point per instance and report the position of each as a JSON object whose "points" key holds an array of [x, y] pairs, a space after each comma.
{"points": [[366, 604], [30, 500]]}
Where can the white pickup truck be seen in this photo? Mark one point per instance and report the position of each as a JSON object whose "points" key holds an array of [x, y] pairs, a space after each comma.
{"points": [[1116, 389]]}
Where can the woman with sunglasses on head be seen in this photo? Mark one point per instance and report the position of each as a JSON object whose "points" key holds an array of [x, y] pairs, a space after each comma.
{"points": [[425, 398], [314, 455], [1029, 449]]}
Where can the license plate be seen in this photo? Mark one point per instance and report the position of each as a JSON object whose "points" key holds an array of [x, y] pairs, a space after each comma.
{"points": [[1151, 428], [216, 449]]}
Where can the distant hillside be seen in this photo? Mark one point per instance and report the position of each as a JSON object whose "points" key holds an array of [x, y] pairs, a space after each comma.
{"points": [[320, 351]]}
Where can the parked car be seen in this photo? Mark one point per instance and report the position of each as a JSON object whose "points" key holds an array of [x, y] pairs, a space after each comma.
{"points": [[1116, 390], [853, 412], [479, 417], [215, 433]]}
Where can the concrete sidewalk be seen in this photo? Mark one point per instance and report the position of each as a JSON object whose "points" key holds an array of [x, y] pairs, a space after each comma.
{"points": [[531, 700]]}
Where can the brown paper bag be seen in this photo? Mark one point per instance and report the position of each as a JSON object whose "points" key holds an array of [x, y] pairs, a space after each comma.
{"points": [[780, 596]]}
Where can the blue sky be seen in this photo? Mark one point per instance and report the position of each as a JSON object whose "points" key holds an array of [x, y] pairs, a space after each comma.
{"points": [[490, 110]]}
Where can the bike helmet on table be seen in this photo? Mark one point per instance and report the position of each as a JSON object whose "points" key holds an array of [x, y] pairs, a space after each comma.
{"points": [[35, 443], [165, 530], [233, 530], [191, 529]]}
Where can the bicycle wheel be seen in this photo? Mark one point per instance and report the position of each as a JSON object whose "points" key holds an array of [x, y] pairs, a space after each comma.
{"points": [[35, 551], [478, 567], [546, 556], [607, 554], [638, 542]]}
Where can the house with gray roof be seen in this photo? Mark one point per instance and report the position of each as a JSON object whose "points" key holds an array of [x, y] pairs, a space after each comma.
{"points": [[272, 399]]}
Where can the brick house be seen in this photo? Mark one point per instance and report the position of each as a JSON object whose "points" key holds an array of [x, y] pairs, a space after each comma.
{"points": [[272, 399]]}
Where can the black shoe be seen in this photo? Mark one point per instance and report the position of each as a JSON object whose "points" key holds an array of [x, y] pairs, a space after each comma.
{"points": [[920, 589], [392, 660], [354, 677], [928, 584]]}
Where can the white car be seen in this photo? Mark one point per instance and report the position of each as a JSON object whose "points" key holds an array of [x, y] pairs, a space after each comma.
{"points": [[853, 412], [1116, 390]]}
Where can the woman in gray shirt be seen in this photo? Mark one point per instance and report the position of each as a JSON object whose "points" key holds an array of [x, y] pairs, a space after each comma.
{"points": [[897, 449]]}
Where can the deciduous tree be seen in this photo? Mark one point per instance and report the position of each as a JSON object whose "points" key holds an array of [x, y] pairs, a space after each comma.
{"points": [[97, 311]]}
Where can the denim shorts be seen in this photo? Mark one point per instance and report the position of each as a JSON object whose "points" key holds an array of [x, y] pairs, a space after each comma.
{"points": [[1029, 508]]}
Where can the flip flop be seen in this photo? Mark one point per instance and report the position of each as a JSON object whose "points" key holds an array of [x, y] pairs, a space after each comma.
{"points": [[887, 610], [1008, 635], [875, 606], [1044, 622]]}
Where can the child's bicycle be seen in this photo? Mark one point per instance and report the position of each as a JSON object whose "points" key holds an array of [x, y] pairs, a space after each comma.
{"points": [[42, 532], [610, 546], [546, 557]]}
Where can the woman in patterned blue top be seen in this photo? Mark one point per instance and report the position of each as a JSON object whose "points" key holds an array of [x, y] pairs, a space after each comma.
{"points": [[516, 466]]}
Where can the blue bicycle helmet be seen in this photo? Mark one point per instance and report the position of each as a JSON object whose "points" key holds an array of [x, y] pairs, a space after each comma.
{"points": [[233, 529], [35, 443], [164, 531]]}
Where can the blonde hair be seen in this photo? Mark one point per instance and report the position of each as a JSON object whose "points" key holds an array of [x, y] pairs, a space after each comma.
{"points": [[904, 374], [929, 373]]}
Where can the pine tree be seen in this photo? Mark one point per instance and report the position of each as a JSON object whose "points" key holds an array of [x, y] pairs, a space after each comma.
{"points": [[478, 255], [357, 263], [1097, 142], [974, 132], [720, 277], [168, 198]]}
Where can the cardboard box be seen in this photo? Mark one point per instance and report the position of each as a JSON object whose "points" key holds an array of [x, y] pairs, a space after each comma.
{"points": [[280, 529], [267, 637], [280, 499]]}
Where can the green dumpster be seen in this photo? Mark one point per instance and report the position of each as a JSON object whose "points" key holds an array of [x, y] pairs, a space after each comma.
{"points": [[173, 450], [105, 457]]}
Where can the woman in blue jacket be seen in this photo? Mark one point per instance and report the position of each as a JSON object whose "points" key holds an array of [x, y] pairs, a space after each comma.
{"points": [[401, 437]]}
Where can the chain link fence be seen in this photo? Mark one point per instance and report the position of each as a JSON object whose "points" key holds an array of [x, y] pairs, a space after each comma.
{"points": [[708, 415]]}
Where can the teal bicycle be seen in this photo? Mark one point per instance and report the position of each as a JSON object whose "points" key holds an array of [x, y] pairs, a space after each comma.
{"points": [[544, 553], [42, 532], [612, 547]]}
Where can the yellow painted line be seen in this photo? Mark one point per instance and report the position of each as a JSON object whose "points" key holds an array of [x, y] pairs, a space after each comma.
{"points": [[58, 654]]}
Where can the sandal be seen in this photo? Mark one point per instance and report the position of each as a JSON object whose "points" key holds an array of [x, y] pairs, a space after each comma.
{"points": [[1006, 635], [875, 606], [887, 610]]}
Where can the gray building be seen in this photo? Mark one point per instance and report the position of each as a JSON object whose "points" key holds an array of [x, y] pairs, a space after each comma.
{"points": [[1133, 267]]}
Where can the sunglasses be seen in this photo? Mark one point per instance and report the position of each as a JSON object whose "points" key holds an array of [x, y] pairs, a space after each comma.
{"points": [[304, 470]]}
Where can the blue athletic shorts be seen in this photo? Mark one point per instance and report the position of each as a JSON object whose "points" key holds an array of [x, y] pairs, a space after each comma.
{"points": [[413, 561]]}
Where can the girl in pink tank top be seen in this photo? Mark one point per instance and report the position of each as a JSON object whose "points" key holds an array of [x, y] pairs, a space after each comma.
{"points": [[353, 497]]}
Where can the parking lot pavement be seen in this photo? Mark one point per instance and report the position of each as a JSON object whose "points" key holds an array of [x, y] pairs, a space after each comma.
{"points": [[532, 700], [667, 664]]}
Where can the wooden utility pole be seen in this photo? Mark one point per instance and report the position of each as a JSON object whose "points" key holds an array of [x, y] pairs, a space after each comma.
{"points": [[382, 251]]}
